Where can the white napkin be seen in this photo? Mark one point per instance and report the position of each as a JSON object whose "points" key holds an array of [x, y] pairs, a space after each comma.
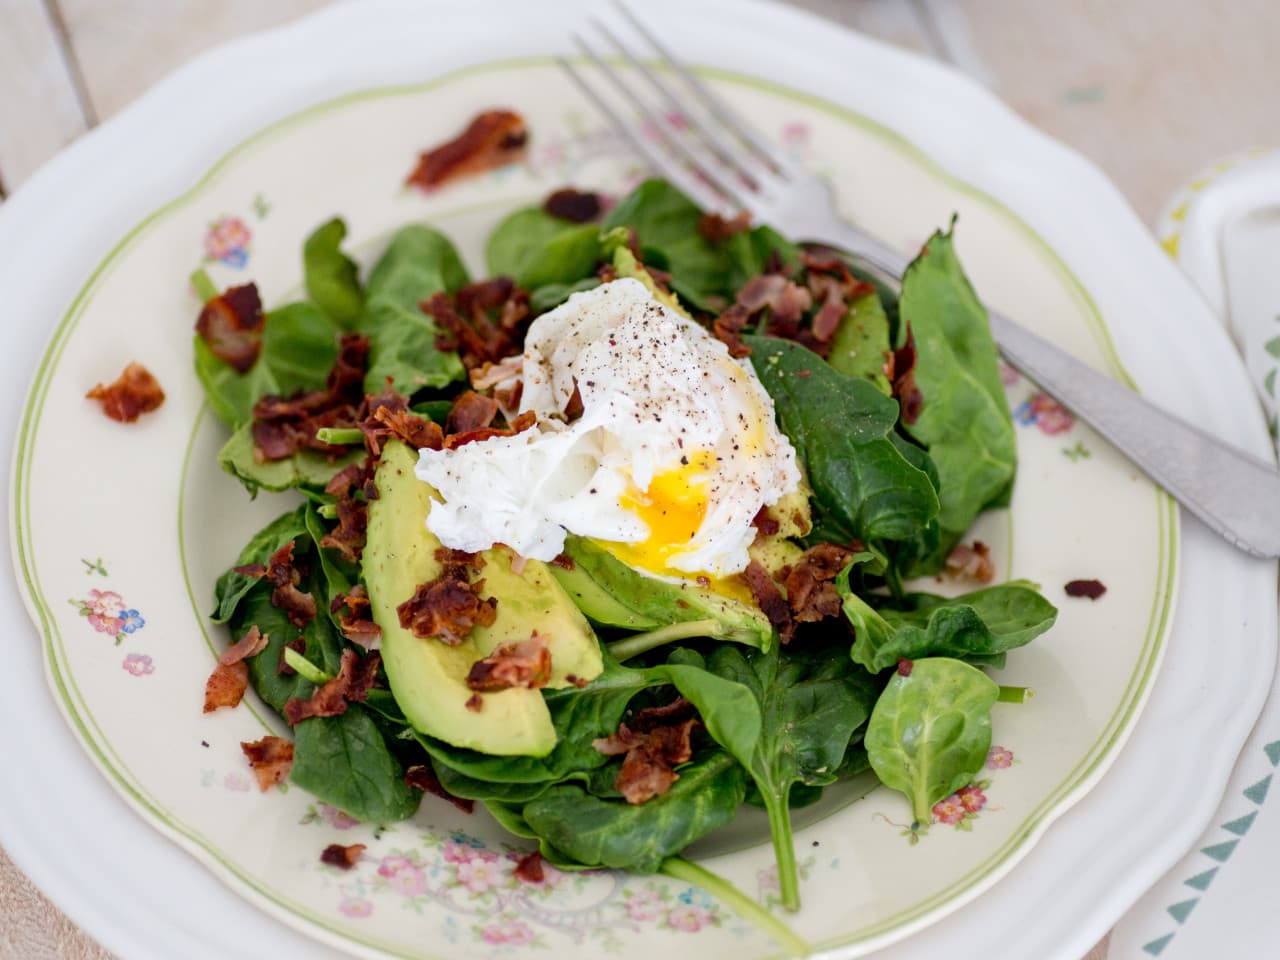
{"points": [[1219, 899]]}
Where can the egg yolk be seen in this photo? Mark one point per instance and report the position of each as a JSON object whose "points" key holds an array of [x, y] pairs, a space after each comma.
{"points": [[673, 509]]}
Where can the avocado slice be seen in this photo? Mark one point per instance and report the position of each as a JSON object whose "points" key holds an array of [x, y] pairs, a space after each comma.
{"points": [[427, 676], [614, 594]]}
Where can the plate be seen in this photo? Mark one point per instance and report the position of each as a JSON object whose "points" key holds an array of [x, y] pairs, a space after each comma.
{"points": [[130, 512]]}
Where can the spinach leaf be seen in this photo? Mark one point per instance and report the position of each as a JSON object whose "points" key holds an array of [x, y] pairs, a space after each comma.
{"points": [[810, 704], [750, 251], [418, 262], [842, 429], [231, 394], [231, 587], [308, 469], [537, 249], [344, 762], [862, 341], [964, 421], [331, 277], [613, 833], [299, 347], [551, 295], [930, 731], [984, 623]]}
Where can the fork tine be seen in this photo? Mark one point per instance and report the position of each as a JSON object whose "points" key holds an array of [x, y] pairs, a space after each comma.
{"points": [[715, 104], [725, 196], [746, 166], [691, 186]]}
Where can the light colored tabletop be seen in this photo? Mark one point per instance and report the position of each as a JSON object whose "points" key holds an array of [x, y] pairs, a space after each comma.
{"points": [[1153, 91]]}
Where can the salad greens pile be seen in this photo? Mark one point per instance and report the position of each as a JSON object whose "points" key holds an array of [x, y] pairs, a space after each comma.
{"points": [[894, 683]]}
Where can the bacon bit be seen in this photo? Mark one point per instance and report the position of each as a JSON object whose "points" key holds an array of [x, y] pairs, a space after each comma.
{"points": [[973, 562], [905, 667], [251, 570], [804, 374], [475, 703], [344, 858], [134, 393], [518, 425], [728, 329], [563, 561], [250, 645], [492, 138], [271, 759], [232, 326], [280, 571], [811, 594], [576, 206], [658, 740], [577, 681], [422, 777], [357, 623], [471, 411], [573, 408], [298, 645], [388, 415], [525, 664], [529, 868], [350, 478], [349, 535], [226, 686], [448, 607], [353, 682], [491, 374], [485, 322], [770, 598], [1093, 589], [765, 524], [717, 229]]}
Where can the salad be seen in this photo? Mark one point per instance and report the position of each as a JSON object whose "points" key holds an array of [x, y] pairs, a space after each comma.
{"points": [[498, 585]]}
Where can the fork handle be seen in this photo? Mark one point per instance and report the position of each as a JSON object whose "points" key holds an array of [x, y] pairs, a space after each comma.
{"points": [[1234, 493]]}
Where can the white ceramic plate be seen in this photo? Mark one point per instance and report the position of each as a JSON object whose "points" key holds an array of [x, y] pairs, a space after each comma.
{"points": [[355, 153]]}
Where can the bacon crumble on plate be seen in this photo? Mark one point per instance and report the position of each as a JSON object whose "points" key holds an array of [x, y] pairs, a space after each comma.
{"points": [[133, 393], [971, 561], [229, 680], [1093, 589], [493, 138], [524, 663], [657, 740], [271, 759], [448, 607], [232, 325], [529, 868], [344, 858], [354, 679], [576, 206]]}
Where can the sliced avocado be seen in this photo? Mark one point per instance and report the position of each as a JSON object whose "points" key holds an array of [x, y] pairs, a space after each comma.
{"points": [[613, 594], [626, 265], [791, 513], [427, 676]]}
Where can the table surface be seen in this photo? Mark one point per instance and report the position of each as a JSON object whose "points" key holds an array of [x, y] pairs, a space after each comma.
{"points": [[1153, 91]]}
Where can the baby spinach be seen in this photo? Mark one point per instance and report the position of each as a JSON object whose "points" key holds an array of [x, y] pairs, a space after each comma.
{"points": [[613, 833], [231, 394], [862, 342], [984, 623], [842, 429], [930, 731], [810, 706], [331, 277], [537, 249], [232, 587], [417, 263], [964, 420], [344, 762]]}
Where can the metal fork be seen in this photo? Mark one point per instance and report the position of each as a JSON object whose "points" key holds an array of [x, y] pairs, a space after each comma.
{"points": [[724, 165]]}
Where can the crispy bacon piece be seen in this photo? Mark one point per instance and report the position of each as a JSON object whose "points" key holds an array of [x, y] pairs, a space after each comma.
{"points": [[717, 229], [728, 328], [1093, 589], [491, 374], [770, 598], [448, 607], [529, 868], [271, 759], [521, 423], [973, 562], [230, 677], [485, 322], [354, 679], [422, 777], [133, 393], [525, 663], [902, 366], [357, 624], [349, 535], [232, 326], [387, 416], [576, 206], [657, 740], [475, 703], [492, 138], [811, 594], [344, 858], [281, 572], [765, 523], [471, 411]]}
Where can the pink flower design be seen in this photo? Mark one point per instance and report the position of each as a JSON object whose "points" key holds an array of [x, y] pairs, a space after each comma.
{"points": [[138, 664], [1046, 413], [688, 918], [1009, 374], [480, 875], [105, 603], [336, 818], [236, 781], [356, 907], [645, 906], [796, 133], [228, 241], [508, 931], [971, 798], [949, 810], [403, 876], [457, 852], [999, 758], [106, 612]]}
